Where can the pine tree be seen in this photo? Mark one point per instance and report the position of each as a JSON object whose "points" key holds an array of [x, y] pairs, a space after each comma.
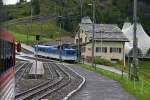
{"points": [[36, 6], [22, 1]]}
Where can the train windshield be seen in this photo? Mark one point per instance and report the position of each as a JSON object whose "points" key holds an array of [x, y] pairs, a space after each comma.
{"points": [[70, 52]]}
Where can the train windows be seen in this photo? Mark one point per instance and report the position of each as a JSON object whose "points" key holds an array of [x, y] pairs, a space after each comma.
{"points": [[1, 67], [1, 57], [6, 56], [70, 52]]}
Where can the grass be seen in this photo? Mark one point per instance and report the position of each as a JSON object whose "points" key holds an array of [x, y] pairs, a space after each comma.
{"points": [[22, 38], [145, 66], [145, 69], [47, 29], [140, 89], [118, 65]]}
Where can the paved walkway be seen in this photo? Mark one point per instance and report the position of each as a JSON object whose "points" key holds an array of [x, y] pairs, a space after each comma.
{"points": [[27, 47], [112, 69], [98, 87]]}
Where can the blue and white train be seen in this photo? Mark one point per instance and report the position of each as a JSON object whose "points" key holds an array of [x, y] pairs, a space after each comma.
{"points": [[65, 54]]}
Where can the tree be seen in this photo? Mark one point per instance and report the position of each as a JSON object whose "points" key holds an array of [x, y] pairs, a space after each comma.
{"points": [[22, 1], [1, 2], [1, 11], [36, 6]]}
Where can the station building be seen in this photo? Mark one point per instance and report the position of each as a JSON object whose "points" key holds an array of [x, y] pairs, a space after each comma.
{"points": [[109, 40]]}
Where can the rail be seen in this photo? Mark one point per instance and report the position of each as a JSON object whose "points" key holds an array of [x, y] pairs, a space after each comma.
{"points": [[46, 88]]}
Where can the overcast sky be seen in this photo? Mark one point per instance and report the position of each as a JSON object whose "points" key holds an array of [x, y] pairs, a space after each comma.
{"points": [[11, 1]]}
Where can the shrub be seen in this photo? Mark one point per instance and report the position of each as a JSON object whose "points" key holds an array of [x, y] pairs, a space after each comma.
{"points": [[102, 62]]}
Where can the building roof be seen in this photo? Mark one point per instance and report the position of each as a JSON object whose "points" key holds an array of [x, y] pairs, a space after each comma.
{"points": [[86, 20], [106, 32], [143, 39]]}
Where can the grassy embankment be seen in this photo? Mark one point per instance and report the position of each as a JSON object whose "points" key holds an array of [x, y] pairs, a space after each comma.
{"points": [[140, 89], [22, 38], [48, 30]]}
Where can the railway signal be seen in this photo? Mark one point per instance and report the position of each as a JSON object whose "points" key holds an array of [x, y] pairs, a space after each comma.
{"points": [[37, 42]]}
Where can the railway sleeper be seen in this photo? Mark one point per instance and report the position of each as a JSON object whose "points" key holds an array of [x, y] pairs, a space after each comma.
{"points": [[33, 93], [40, 86]]}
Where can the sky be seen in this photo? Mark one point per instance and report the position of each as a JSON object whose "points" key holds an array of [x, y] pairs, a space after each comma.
{"points": [[11, 1]]}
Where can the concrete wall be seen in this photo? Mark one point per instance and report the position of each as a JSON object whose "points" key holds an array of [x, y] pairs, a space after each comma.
{"points": [[108, 55]]}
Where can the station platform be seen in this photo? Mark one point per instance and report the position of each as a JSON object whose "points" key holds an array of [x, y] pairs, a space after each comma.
{"points": [[27, 47], [36, 71]]}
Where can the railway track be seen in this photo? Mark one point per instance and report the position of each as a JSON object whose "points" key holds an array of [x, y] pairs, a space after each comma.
{"points": [[44, 60], [66, 79], [19, 65], [21, 71], [58, 82], [59, 79]]}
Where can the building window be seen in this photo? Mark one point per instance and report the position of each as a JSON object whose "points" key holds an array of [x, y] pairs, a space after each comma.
{"points": [[85, 39], [103, 49], [76, 41], [80, 40], [83, 49], [89, 49], [115, 50]]}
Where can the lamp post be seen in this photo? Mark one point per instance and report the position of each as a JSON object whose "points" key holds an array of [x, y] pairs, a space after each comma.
{"points": [[134, 74], [93, 31], [60, 17]]}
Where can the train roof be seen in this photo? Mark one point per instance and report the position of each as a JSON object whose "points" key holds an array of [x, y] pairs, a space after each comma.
{"points": [[43, 46], [52, 47], [70, 49], [4, 35]]}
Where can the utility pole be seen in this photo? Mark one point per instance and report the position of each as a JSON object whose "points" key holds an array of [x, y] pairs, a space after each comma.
{"points": [[27, 32], [78, 47], [93, 35], [31, 19], [81, 14], [81, 2], [134, 73], [60, 44]]}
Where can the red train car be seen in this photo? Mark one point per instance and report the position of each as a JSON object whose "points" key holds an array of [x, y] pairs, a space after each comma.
{"points": [[7, 65]]}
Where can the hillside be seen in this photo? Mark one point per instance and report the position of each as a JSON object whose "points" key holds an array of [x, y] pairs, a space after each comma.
{"points": [[107, 11]]}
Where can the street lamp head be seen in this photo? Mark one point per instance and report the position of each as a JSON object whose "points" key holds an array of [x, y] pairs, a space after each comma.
{"points": [[90, 4], [60, 16]]}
